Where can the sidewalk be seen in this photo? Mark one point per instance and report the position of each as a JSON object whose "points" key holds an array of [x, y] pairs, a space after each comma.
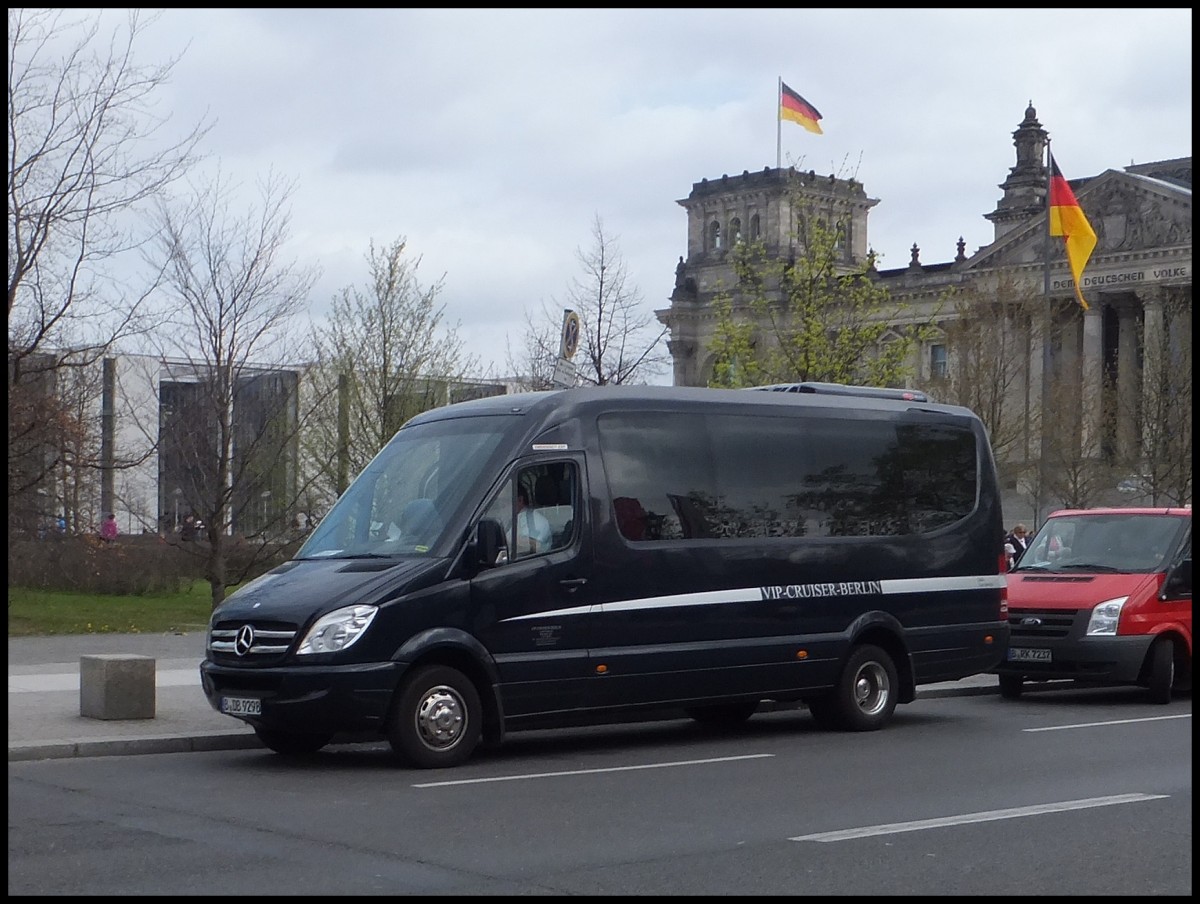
{"points": [[43, 699]]}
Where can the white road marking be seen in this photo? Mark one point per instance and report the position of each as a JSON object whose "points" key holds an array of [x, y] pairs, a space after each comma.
{"points": [[1112, 722], [517, 778], [986, 816]]}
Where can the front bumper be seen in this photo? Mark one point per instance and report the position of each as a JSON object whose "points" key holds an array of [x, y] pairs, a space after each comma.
{"points": [[309, 699], [1104, 660]]}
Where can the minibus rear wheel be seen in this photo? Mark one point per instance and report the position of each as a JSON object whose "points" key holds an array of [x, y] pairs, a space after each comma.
{"points": [[864, 697], [437, 720]]}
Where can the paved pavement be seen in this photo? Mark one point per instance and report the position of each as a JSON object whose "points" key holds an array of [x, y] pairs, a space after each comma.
{"points": [[44, 720]]}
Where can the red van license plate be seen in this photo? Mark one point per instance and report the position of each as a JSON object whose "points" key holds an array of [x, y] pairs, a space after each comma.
{"points": [[1026, 654], [241, 706]]}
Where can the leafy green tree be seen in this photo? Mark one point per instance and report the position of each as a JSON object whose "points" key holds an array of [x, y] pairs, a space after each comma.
{"points": [[814, 317]]}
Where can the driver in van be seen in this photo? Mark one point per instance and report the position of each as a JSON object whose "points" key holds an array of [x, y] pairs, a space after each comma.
{"points": [[533, 530]]}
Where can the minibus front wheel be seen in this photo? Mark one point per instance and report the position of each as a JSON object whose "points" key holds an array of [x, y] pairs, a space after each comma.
{"points": [[292, 743], [864, 697], [437, 719]]}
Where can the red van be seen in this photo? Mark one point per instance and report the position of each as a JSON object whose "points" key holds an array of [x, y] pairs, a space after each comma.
{"points": [[1103, 596]]}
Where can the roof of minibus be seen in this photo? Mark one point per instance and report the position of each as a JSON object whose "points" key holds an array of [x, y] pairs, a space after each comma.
{"points": [[570, 400], [1125, 510]]}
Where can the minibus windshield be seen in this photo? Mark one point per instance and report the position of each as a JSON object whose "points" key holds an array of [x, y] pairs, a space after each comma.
{"points": [[404, 500], [1122, 543]]}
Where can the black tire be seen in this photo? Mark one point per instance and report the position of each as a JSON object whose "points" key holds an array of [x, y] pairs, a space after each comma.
{"points": [[723, 715], [864, 697], [1011, 686], [1161, 671], [437, 719], [822, 711], [292, 743]]}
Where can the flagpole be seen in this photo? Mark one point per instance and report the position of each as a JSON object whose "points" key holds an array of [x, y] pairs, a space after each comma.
{"points": [[1047, 355], [1046, 256], [778, 125]]}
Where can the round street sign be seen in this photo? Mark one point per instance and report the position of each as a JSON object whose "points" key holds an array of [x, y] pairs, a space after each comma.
{"points": [[570, 334]]}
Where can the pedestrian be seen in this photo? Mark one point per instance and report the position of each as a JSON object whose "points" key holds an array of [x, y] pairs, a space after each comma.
{"points": [[109, 529], [1018, 539], [187, 533]]}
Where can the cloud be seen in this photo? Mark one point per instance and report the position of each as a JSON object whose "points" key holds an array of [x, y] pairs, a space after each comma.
{"points": [[491, 138]]}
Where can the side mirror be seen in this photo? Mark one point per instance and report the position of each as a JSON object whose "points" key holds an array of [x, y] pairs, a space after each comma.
{"points": [[488, 543], [1179, 580]]}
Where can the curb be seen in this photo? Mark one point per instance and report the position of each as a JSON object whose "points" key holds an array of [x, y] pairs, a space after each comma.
{"points": [[58, 750]]}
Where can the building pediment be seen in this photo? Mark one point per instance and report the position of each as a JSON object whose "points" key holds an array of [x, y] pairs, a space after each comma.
{"points": [[1130, 213]]}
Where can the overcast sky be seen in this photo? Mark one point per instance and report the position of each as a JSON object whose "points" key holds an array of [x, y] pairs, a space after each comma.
{"points": [[491, 139]]}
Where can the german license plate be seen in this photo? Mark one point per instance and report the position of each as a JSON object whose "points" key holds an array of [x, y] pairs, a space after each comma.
{"points": [[1027, 654], [241, 706]]}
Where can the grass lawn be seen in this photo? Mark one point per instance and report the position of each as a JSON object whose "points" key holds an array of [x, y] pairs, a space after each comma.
{"points": [[34, 613]]}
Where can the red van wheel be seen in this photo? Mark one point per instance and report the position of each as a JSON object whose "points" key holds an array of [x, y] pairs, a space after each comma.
{"points": [[1010, 686], [1161, 675]]}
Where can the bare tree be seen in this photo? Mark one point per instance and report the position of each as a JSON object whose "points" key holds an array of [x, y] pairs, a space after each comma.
{"points": [[534, 361], [385, 354], [620, 340], [85, 155], [230, 409], [1166, 410], [988, 344]]}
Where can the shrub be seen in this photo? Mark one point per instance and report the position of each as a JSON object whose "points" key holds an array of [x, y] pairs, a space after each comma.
{"points": [[134, 565]]}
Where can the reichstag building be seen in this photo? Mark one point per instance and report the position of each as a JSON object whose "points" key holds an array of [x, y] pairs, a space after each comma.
{"points": [[1096, 403]]}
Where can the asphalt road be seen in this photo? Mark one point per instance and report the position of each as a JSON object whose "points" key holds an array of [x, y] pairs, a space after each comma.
{"points": [[1066, 792]]}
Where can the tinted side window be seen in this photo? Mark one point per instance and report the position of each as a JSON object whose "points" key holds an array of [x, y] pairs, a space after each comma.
{"points": [[711, 476]]}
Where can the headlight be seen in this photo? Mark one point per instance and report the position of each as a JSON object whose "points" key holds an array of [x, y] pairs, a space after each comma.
{"points": [[337, 630], [1105, 617]]}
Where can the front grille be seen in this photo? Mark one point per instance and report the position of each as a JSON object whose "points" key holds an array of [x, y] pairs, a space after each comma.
{"points": [[1040, 624], [248, 641]]}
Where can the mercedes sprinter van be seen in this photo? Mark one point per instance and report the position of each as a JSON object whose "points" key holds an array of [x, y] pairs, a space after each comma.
{"points": [[607, 551]]}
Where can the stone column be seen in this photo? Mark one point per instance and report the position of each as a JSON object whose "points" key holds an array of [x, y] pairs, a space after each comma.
{"points": [[1039, 325], [1067, 415], [1092, 382], [1152, 352], [683, 361], [1127, 381]]}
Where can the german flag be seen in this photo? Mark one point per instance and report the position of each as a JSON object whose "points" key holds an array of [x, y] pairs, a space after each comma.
{"points": [[1067, 220], [795, 108]]}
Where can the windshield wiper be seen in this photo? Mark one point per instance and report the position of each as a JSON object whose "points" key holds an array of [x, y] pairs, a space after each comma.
{"points": [[1089, 566], [342, 556]]}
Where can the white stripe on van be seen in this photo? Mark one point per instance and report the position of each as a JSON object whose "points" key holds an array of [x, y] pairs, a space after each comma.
{"points": [[787, 591]]}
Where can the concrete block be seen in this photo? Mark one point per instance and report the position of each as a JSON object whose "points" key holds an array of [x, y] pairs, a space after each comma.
{"points": [[116, 686]]}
